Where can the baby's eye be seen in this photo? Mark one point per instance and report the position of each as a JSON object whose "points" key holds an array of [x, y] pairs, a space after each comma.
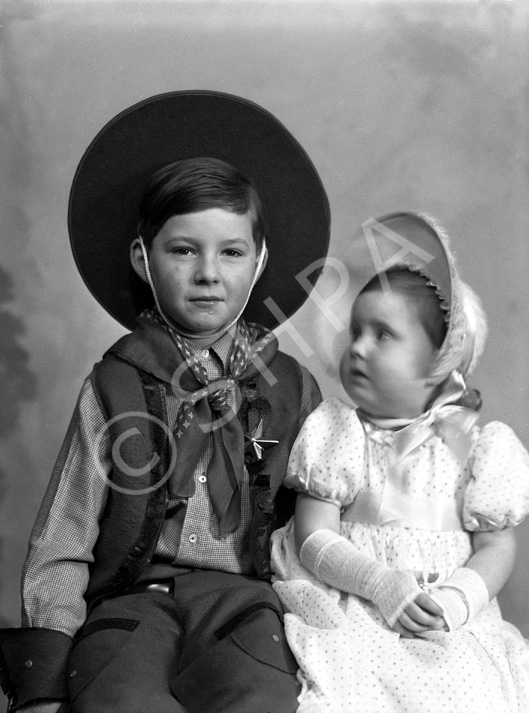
{"points": [[384, 334]]}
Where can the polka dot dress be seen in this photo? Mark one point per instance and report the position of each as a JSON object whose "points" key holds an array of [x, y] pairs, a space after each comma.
{"points": [[350, 661]]}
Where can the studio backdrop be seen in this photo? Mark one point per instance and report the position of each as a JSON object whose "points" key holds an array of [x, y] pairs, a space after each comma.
{"points": [[400, 105]]}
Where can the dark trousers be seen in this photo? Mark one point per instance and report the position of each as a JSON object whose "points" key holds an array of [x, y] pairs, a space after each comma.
{"points": [[216, 646]]}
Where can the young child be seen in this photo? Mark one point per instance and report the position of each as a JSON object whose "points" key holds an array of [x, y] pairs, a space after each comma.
{"points": [[147, 583], [404, 525]]}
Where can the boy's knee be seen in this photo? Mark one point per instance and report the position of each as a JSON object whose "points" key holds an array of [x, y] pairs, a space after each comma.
{"points": [[251, 668]]}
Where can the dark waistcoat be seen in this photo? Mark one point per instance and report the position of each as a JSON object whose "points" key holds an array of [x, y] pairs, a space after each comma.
{"points": [[133, 401]]}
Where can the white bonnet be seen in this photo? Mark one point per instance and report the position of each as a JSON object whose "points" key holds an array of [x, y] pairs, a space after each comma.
{"points": [[417, 242]]}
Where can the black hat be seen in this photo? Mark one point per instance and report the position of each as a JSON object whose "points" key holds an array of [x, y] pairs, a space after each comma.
{"points": [[111, 177]]}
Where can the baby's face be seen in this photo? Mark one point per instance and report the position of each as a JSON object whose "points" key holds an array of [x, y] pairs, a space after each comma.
{"points": [[386, 367], [202, 265]]}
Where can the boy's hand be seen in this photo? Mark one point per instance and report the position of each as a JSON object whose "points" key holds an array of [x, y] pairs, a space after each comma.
{"points": [[423, 614]]}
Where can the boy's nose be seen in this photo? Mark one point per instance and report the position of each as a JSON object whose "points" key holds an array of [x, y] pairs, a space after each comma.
{"points": [[207, 270]]}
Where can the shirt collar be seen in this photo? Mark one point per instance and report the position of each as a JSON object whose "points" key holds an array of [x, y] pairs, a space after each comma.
{"points": [[221, 348]]}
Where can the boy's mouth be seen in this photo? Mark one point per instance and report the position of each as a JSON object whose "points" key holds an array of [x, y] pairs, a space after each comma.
{"points": [[206, 299]]}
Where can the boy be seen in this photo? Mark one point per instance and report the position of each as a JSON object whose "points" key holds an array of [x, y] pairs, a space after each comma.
{"points": [[146, 586]]}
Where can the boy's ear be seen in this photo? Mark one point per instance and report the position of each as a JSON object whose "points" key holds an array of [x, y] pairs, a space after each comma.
{"points": [[137, 260], [263, 264]]}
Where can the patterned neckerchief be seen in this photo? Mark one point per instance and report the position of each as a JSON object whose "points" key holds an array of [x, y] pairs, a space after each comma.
{"points": [[206, 409]]}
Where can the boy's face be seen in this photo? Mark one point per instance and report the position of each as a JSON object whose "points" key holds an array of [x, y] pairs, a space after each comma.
{"points": [[202, 265], [385, 370]]}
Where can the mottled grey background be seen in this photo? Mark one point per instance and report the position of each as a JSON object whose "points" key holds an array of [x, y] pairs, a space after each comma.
{"points": [[411, 104]]}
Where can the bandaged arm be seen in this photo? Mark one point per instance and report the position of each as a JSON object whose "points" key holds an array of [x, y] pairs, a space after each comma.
{"points": [[336, 561], [463, 595]]}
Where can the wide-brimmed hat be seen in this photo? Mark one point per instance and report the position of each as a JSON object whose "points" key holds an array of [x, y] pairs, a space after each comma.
{"points": [[111, 177]]}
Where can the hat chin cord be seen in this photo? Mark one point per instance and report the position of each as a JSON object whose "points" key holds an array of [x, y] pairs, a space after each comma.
{"points": [[216, 333]]}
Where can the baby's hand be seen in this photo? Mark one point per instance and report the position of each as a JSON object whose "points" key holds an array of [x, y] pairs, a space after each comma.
{"points": [[423, 614]]}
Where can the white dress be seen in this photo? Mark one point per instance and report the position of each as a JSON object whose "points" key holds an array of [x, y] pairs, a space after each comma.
{"points": [[350, 661]]}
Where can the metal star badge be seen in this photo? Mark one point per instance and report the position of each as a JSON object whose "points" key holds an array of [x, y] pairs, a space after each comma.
{"points": [[256, 443]]}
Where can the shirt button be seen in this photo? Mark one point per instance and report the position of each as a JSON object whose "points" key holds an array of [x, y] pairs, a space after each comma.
{"points": [[193, 538], [275, 637], [202, 478], [73, 673], [205, 353], [28, 663]]}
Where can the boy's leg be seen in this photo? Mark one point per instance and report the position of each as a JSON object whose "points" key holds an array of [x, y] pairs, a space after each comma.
{"points": [[234, 656], [125, 657]]}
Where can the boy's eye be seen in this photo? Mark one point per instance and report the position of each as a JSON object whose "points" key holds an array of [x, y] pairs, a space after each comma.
{"points": [[231, 252], [181, 251]]}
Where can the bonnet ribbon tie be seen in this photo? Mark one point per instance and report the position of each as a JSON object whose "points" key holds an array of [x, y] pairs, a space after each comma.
{"points": [[396, 504], [452, 423], [206, 410]]}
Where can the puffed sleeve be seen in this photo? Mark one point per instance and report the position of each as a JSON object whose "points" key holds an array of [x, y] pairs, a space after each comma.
{"points": [[497, 495], [327, 457]]}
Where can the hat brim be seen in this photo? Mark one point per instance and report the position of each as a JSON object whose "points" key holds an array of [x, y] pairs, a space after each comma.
{"points": [[111, 177]]}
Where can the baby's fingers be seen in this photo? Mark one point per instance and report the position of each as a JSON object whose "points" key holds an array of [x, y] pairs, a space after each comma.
{"points": [[415, 618], [424, 601], [402, 631]]}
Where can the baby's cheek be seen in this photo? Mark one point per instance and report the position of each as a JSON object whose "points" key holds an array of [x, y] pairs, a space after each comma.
{"points": [[345, 370]]}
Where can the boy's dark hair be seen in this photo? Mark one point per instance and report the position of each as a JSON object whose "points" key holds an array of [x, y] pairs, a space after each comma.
{"points": [[412, 284], [196, 184]]}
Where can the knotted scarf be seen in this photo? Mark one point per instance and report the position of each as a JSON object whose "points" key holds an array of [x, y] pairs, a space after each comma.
{"points": [[206, 410]]}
